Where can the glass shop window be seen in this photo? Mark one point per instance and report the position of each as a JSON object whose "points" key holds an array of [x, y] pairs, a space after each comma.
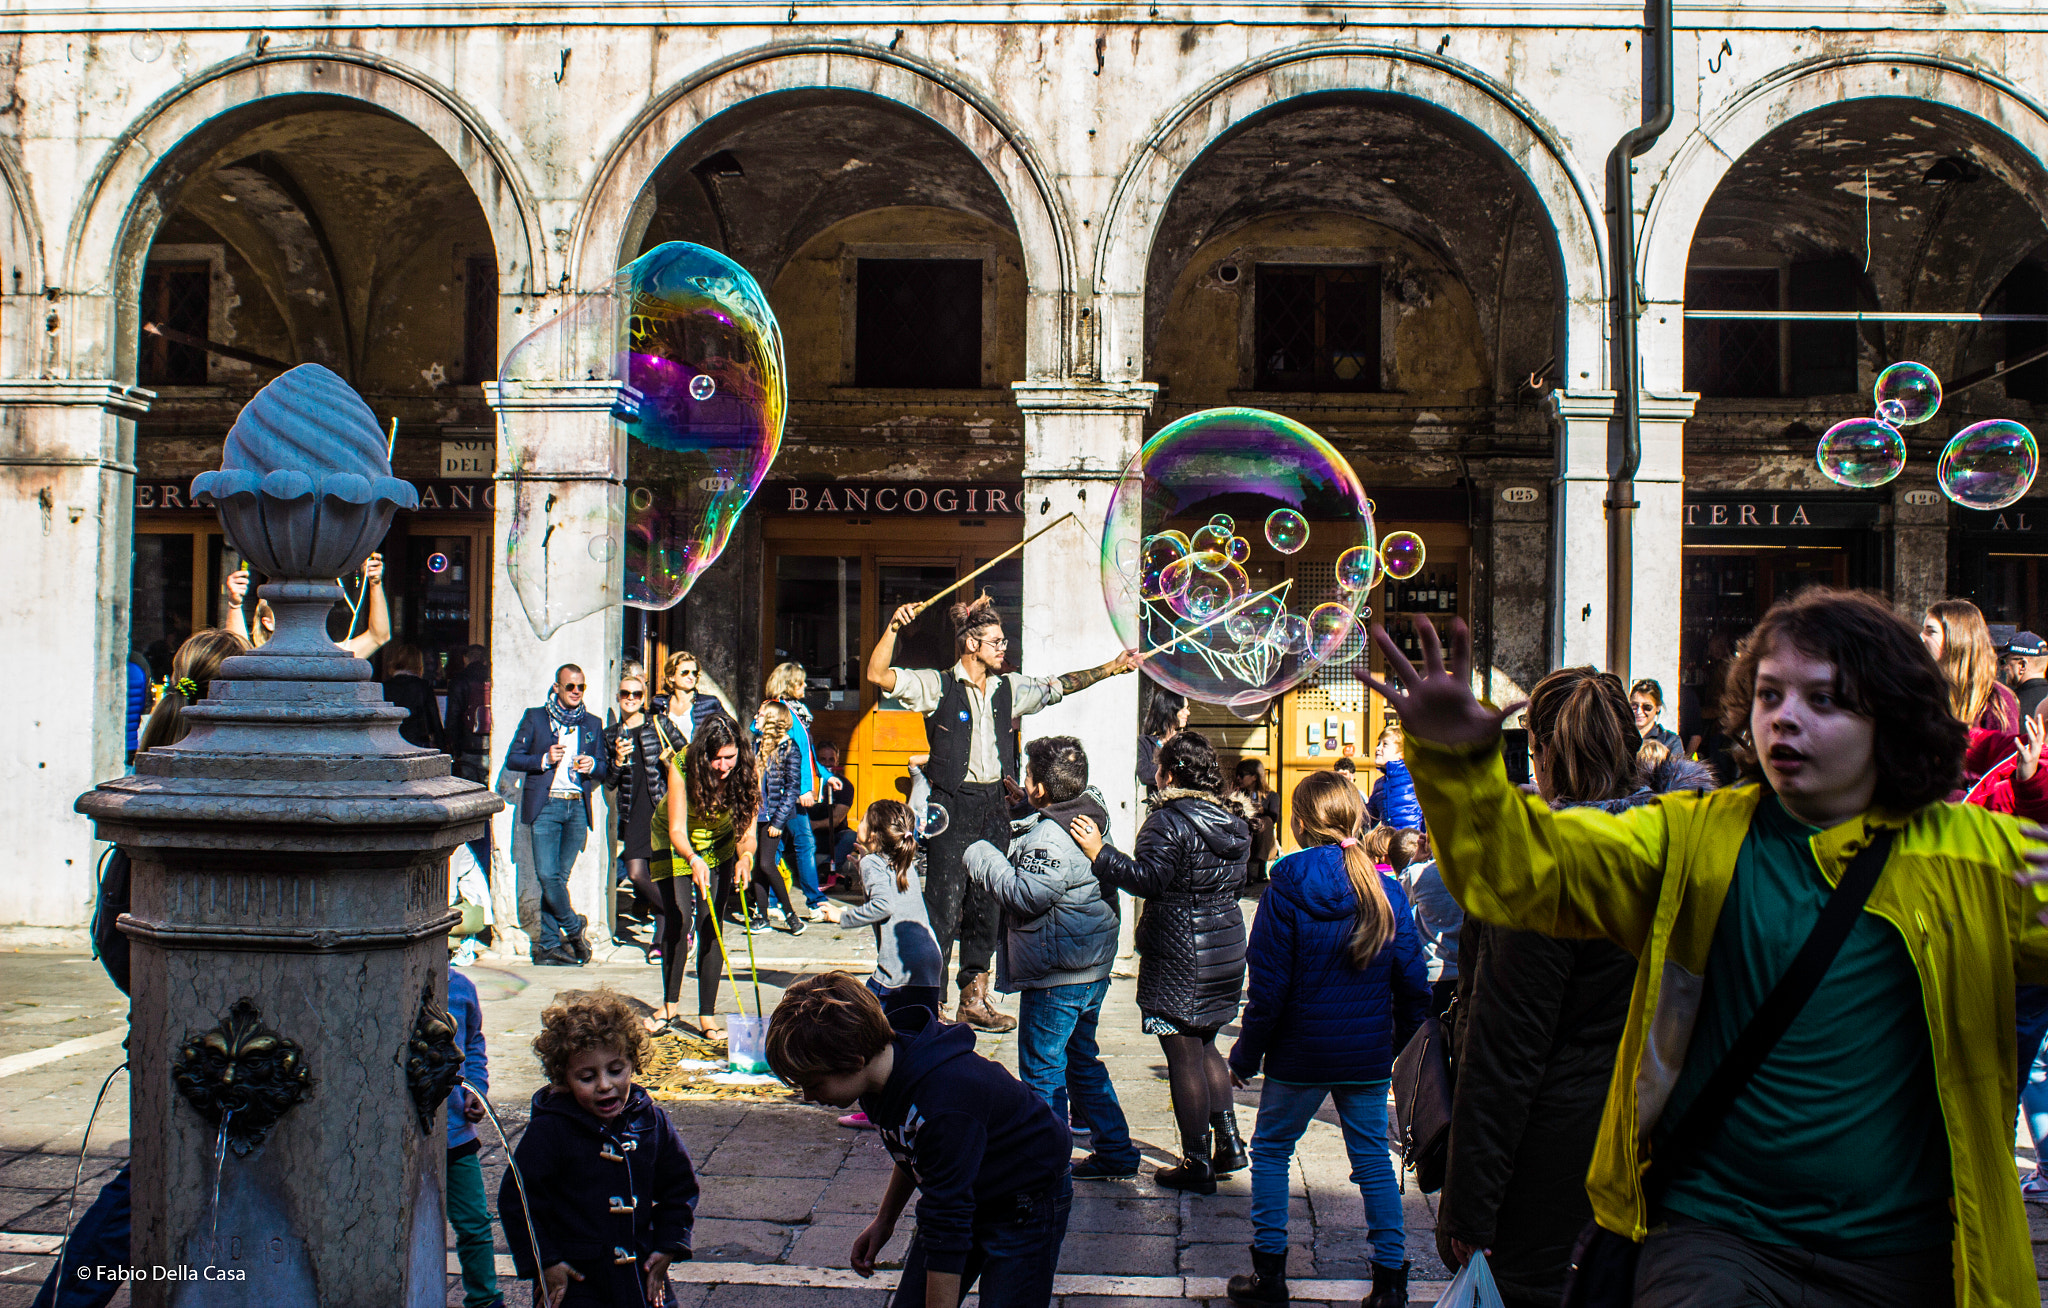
{"points": [[928, 642], [917, 323], [1732, 358], [817, 624], [1317, 328]]}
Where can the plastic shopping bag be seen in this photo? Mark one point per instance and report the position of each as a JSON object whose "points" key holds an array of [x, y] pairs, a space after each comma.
{"points": [[1472, 1287]]}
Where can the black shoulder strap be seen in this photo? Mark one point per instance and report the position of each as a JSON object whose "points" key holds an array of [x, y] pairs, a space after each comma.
{"points": [[1702, 1121]]}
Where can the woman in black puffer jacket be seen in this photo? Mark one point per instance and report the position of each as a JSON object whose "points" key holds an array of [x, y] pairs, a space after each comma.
{"points": [[1188, 867]]}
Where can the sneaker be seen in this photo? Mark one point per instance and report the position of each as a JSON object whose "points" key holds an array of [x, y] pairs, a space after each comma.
{"points": [[2034, 1187], [1096, 1168], [794, 924], [759, 927], [856, 1122]]}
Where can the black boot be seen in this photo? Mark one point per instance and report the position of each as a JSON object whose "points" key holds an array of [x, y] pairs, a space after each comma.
{"points": [[1194, 1174], [1389, 1287], [1266, 1287], [1230, 1155]]}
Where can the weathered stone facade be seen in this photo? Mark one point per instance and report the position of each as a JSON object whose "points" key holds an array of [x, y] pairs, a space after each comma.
{"points": [[402, 193]]}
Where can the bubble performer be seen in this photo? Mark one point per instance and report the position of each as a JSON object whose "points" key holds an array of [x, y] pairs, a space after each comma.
{"points": [[971, 762]]}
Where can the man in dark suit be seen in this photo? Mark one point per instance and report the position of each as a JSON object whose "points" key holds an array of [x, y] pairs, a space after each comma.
{"points": [[560, 746]]}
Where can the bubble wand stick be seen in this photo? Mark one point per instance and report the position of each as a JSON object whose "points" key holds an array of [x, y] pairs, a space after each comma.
{"points": [[925, 604], [1232, 611]]}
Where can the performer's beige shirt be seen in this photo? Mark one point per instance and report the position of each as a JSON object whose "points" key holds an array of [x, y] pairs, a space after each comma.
{"points": [[919, 689]]}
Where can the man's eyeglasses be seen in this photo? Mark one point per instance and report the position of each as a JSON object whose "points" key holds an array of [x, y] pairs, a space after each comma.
{"points": [[572, 685], [998, 642]]}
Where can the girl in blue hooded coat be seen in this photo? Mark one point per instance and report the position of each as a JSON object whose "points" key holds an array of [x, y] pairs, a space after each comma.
{"points": [[1337, 985]]}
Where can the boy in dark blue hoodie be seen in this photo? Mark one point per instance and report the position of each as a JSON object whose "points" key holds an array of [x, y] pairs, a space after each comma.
{"points": [[985, 1153], [614, 1195]]}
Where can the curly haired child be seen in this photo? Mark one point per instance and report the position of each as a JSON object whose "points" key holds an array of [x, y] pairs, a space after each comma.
{"points": [[613, 1193]]}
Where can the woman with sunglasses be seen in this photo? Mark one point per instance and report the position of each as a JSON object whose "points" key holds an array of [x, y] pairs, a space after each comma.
{"points": [[640, 779]]}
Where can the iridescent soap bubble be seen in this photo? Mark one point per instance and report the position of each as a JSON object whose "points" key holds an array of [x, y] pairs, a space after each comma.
{"points": [[1155, 556], [1988, 465], [1906, 393], [1358, 569], [1329, 626], [1861, 452], [686, 352], [1286, 531], [1212, 539], [1240, 633], [934, 821], [1402, 555]]}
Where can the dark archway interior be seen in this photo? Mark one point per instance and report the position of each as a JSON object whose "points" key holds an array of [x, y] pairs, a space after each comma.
{"points": [[760, 180], [1392, 160]]}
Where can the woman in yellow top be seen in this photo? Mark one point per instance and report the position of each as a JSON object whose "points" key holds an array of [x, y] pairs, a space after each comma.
{"points": [[708, 815], [1869, 1157]]}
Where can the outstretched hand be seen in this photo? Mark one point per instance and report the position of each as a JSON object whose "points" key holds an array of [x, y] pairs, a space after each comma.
{"points": [[1436, 702]]}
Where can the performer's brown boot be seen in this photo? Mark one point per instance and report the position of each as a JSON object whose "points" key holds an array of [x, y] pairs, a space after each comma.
{"points": [[977, 1011]]}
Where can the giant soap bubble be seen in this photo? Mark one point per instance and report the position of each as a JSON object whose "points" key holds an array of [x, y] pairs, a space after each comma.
{"points": [[1988, 465], [685, 354], [1861, 452], [1212, 604]]}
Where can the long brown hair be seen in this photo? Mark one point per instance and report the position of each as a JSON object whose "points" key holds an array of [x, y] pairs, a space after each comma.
{"points": [[1580, 718], [193, 669], [774, 747], [1330, 811], [1967, 659], [740, 791], [894, 832]]}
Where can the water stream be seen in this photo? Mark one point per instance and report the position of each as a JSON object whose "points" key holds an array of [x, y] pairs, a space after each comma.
{"points": [[220, 1155]]}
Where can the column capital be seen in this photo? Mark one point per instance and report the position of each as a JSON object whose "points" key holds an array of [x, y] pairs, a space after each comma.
{"points": [[562, 397], [1572, 406], [1074, 394], [117, 398]]}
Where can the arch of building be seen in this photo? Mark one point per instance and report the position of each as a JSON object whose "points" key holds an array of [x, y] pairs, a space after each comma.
{"points": [[122, 203], [1143, 193], [2011, 127], [21, 262], [621, 200]]}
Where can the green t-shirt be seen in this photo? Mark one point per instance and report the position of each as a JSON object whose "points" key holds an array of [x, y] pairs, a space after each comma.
{"points": [[1836, 1145]]}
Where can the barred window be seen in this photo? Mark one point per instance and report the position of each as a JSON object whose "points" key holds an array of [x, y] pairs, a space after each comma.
{"points": [[1317, 328]]}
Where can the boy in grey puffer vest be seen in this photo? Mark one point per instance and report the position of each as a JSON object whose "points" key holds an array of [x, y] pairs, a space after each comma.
{"points": [[1056, 949]]}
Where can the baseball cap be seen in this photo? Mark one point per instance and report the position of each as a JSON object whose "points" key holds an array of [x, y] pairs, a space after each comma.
{"points": [[2027, 645]]}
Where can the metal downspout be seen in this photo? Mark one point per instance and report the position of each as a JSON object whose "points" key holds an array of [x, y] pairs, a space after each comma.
{"points": [[1624, 309]]}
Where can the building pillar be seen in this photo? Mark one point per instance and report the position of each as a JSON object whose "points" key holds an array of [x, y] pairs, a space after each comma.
{"points": [[67, 449], [1517, 595], [1078, 438], [1659, 550], [1578, 538], [556, 597], [1920, 562]]}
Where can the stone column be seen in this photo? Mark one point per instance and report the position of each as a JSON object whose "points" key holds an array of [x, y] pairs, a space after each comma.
{"points": [[1660, 541], [1920, 531], [1578, 537], [1078, 437], [289, 924], [556, 597], [67, 451]]}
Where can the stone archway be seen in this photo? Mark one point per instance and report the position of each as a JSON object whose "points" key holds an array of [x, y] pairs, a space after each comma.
{"points": [[2013, 126], [21, 264], [121, 203], [1182, 136], [619, 204]]}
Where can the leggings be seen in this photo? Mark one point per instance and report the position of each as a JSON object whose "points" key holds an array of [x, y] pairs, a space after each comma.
{"points": [[640, 872], [768, 881], [1200, 1082], [681, 902]]}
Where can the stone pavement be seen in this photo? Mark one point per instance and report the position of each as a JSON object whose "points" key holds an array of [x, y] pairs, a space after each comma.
{"points": [[785, 1188]]}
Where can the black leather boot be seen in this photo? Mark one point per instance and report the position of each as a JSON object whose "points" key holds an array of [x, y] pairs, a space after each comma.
{"points": [[1230, 1154], [1389, 1287], [1266, 1287], [1194, 1174]]}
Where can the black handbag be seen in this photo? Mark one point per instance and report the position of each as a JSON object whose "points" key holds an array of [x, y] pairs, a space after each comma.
{"points": [[1603, 1268], [1422, 1104]]}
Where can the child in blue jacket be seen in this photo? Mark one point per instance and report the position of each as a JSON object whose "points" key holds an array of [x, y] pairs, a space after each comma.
{"points": [[467, 1211], [1393, 801], [1337, 985]]}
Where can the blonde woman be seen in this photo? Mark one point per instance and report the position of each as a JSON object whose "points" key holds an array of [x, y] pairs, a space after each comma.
{"points": [[777, 763], [1955, 634], [786, 685]]}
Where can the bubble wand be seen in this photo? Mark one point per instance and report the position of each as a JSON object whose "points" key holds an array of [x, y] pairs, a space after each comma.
{"points": [[1232, 611], [925, 604]]}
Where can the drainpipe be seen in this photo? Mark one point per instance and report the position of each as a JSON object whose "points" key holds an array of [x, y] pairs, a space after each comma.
{"points": [[1624, 311]]}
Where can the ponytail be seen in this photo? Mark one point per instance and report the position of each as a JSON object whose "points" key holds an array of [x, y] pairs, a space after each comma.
{"points": [[1330, 811], [1579, 720]]}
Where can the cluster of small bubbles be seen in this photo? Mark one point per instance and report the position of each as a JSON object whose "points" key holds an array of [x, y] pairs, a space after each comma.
{"points": [[1402, 555], [1286, 531], [1988, 465], [1867, 452], [686, 338], [1214, 611]]}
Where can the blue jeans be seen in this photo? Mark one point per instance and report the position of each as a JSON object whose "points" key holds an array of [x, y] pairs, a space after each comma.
{"points": [[1016, 1249], [558, 835], [1057, 1052], [1284, 1113], [800, 847], [99, 1240]]}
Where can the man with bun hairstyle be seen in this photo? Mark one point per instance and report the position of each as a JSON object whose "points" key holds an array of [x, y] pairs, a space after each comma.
{"points": [[970, 714]]}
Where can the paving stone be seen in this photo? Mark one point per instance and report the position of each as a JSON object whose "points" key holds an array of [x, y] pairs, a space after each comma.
{"points": [[1229, 1217], [751, 1158], [1228, 1259], [723, 1240], [792, 1296], [1096, 1253], [1095, 1211], [763, 1199], [53, 1171], [830, 1244], [853, 1192]]}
